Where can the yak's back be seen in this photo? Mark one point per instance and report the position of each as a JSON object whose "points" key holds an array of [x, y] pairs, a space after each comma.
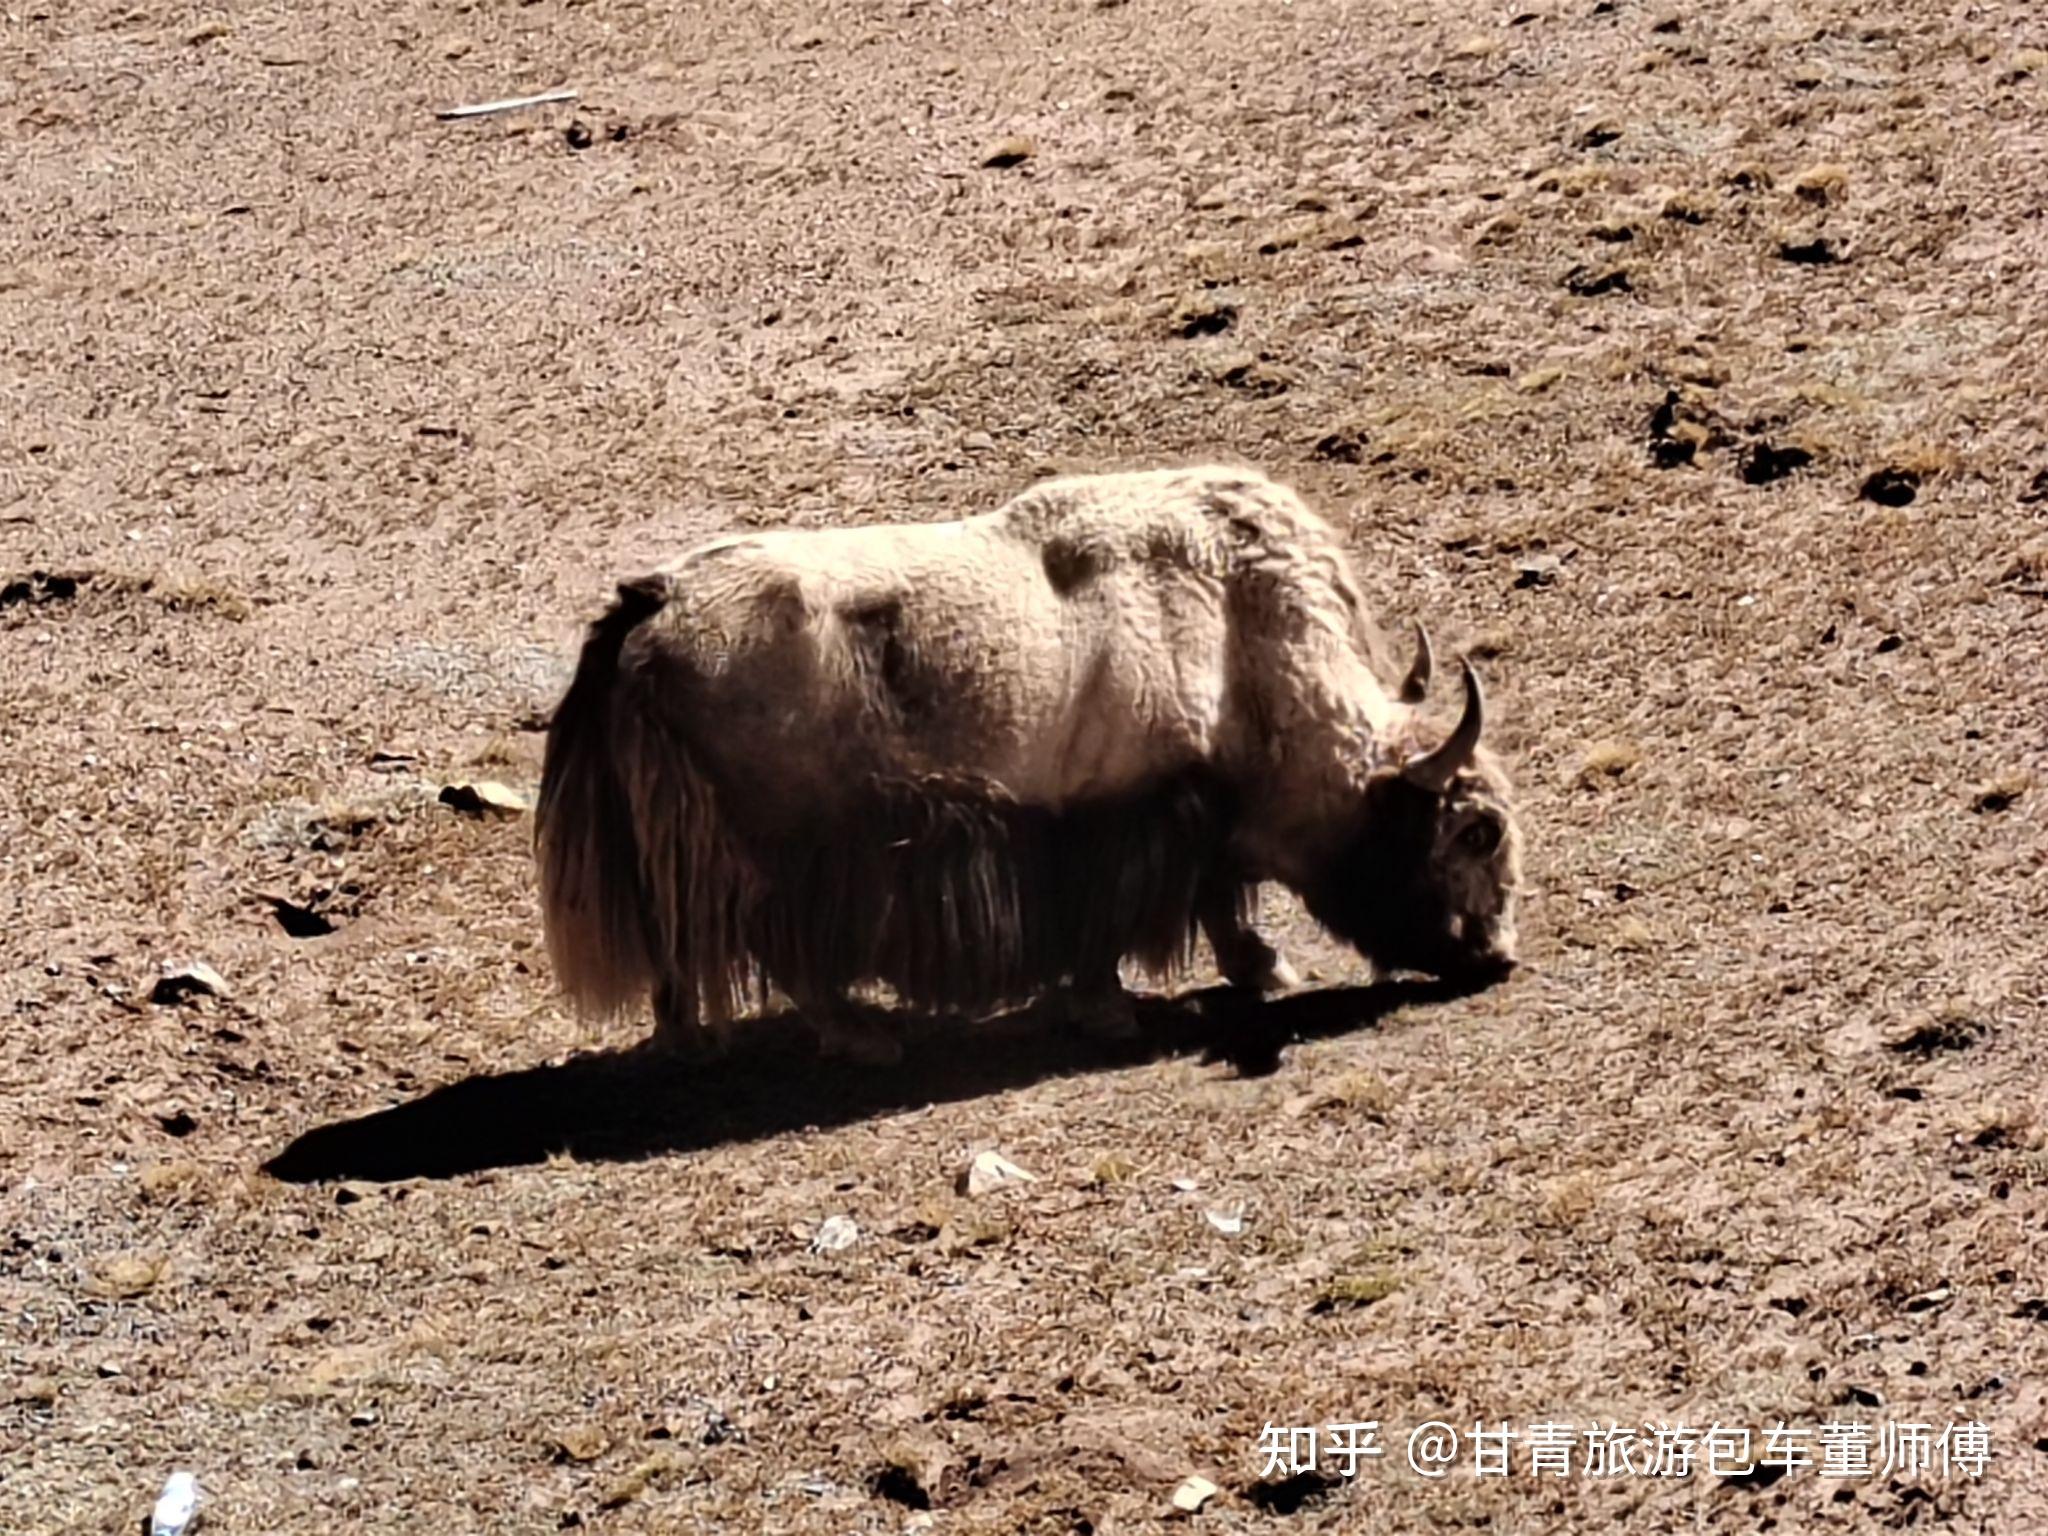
{"points": [[1073, 641]]}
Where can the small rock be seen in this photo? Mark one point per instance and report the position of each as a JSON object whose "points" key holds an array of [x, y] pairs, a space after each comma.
{"points": [[577, 135], [194, 979], [835, 1234], [978, 442], [990, 1171], [1186, 1186], [36, 1391], [363, 1418], [1005, 153], [1192, 1494], [585, 1442], [485, 796], [127, 1276], [1537, 570]]}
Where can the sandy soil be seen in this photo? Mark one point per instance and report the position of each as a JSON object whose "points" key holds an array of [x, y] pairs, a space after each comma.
{"points": [[1685, 361]]}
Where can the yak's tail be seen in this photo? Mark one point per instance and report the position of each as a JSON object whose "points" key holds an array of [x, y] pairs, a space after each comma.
{"points": [[592, 876]]}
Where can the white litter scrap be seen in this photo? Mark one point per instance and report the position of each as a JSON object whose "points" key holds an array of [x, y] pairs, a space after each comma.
{"points": [[990, 1171], [1226, 1223], [508, 104], [177, 1507], [835, 1234], [1192, 1494]]}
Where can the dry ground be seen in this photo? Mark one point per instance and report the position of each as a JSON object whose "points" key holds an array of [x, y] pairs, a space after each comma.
{"points": [[334, 423]]}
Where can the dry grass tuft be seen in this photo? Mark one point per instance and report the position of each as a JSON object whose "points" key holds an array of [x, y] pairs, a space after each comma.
{"points": [[128, 1275], [1350, 1291], [202, 594], [2029, 565], [1607, 760], [1569, 1198], [659, 1468], [509, 749], [580, 1442], [1499, 229], [164, 1183], [1633, 936], [1821, 185], [1686, 208], [1113, 1168]]}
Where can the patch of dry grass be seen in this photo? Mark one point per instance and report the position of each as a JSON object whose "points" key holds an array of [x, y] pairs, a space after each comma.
{"points": [[1607, 760]]}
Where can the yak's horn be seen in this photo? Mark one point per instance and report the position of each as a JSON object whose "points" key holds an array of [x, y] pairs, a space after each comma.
{"points": [[1434, 771], [1416, 685]]}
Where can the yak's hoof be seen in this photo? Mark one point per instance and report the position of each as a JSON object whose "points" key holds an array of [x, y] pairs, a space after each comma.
{"points": [[690, 1042], [1103, 1015], [1279, 977], [1269, 976], [860, 1042]]}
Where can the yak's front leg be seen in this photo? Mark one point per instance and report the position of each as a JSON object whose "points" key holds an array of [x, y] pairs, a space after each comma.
{"points": [[680, 1028], [1245, 959]]}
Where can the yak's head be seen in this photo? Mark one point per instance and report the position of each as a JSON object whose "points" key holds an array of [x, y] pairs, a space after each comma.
{"points": [[1426, 878]]}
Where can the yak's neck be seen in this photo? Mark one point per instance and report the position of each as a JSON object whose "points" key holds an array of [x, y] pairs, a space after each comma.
{"points": [[1323, 730]]}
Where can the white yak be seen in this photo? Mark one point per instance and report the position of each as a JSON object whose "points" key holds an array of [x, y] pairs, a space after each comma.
{"points": [[981, 760]]}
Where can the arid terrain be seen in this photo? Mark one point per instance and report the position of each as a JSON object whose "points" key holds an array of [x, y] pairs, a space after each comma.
{"points": [[1684, 363]]}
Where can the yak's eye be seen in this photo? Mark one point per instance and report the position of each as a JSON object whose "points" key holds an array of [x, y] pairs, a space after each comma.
{"points": [[1482, 836]]}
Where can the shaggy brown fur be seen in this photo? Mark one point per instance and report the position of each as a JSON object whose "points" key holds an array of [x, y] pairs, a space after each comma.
{"points": [[586, 834]]}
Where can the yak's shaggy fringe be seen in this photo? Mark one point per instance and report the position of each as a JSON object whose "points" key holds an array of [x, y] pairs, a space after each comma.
{"points": [[950, 893]]}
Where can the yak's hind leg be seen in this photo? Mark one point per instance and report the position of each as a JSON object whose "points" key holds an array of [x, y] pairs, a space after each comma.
{"points": [[1245, 959], [1097, 1005], [680, 1029], [844, 1033]]}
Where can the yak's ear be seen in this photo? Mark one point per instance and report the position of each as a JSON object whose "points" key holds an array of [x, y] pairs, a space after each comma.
{"points": [[1415, 686]]}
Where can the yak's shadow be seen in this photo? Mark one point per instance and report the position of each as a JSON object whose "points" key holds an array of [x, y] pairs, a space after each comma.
{"points": [[627, 1104]]}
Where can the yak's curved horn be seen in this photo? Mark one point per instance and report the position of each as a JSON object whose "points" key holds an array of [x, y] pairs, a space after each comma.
{"points": [[1434, 771], [1415, 687]]}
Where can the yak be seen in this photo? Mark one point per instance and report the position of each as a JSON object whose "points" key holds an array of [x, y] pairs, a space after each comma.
{"points": [[987, 761]]}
